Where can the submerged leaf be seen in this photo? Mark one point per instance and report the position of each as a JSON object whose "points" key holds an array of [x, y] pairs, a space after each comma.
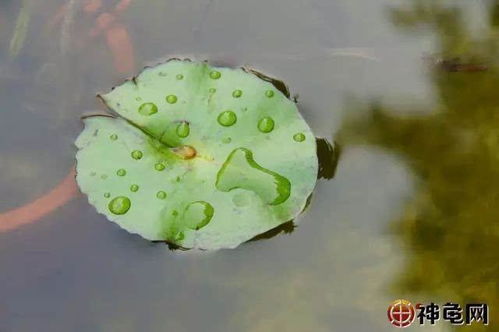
{"points": [[199, 157]]}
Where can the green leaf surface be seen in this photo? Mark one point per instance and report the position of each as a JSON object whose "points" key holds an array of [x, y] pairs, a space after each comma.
{"points": [[200, 157]]}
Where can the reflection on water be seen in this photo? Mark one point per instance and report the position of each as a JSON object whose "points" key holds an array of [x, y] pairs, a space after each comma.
{"points": [[425, 169], [450, 229]]}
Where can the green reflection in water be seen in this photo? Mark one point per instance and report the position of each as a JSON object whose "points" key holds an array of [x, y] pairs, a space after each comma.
{"points": [[451, 227]]}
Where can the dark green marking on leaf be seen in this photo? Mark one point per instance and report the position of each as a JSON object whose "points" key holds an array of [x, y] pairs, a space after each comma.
{"points": [[121, 172], [299, 137], [215, 75], [161, 194], [183, 129], [227, 118], [148, 109], [171, 99], [241, 171], [137, 154], [134, 188], [119, 205], [266, 124], [237, 93], [198, 214]]}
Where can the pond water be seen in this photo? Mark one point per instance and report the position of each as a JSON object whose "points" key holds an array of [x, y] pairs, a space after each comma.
{"points": [[406, 88]]}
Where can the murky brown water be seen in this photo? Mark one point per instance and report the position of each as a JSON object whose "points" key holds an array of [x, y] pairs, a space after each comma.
{"points": [[411, 212]]}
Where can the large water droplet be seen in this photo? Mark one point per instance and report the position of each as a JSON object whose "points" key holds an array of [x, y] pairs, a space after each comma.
{"points": [[161, 194], [171, 99], [269, 93], [134, 188], [299, 137], [136, 154], [198, 214], [237, 93], [227, 118], [183, 129], [159, 167], [215, 75], [148, 109], [121, 172], [119, 205], [241, 171], [266, 124]]}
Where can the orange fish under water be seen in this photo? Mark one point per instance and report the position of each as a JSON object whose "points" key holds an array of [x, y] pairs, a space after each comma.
{"points": [[42, 206], [119, 43], [107, 24]]}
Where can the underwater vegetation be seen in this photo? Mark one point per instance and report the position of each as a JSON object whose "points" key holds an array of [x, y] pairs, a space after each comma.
{"points": [[198, 156]]}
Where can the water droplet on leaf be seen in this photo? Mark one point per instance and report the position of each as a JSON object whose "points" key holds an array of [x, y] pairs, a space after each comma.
{"points": [[269, 93], [266, 124], [183, 129], [237, 93], [121, 172], [159, 167], [147, 109], [119, 205], [161, 195], [171, 99], [241, 171], [299, 137], [198, 214], [227, 118], [134, 188], [137, 154], [215, 75]]}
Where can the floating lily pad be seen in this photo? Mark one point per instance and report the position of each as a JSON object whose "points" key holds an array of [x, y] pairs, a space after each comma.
{"points": [[200, 157]]}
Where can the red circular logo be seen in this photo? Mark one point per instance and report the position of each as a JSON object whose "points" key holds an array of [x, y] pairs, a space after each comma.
{"points": [[401, 313]]}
